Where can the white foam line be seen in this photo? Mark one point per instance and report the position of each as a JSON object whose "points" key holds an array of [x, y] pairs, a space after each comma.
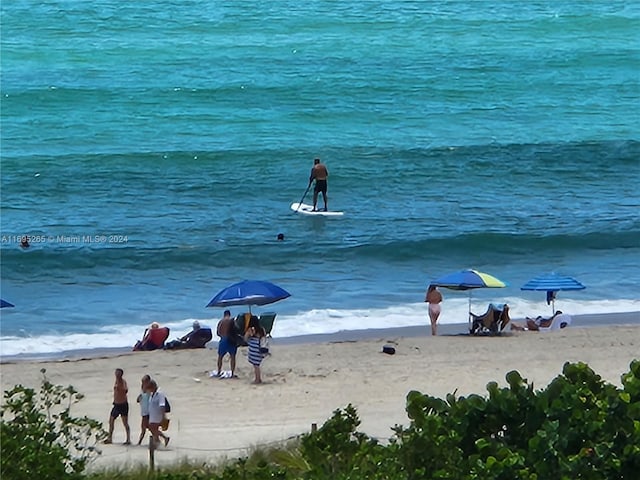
{"points": [[454, 311]]}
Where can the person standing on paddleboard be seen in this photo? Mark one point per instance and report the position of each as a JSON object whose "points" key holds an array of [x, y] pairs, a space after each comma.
{"points": [[319, 173]]}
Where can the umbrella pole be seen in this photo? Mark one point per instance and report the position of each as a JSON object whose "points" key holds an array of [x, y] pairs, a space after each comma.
{"points": [[469, 320]]}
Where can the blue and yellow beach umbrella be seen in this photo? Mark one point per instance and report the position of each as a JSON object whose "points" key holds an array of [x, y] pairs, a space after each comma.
{"points": [[468, 279]]}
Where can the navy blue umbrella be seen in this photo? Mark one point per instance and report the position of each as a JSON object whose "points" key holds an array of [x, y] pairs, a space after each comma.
{"points": [[5, 304], [249, 292], [552, 283]]}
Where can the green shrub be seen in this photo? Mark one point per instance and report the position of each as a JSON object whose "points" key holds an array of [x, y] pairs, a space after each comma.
{"points": [[338, 451], [577, 427], [40, 437]]}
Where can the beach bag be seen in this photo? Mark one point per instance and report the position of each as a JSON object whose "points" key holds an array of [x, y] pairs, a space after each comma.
{"points": [[264, 346], [167, 405], [164, 424]]}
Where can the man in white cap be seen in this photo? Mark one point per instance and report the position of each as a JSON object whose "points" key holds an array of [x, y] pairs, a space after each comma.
{"points": [[196, 338]]}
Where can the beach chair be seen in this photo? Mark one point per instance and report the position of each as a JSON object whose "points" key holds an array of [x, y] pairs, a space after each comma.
{"points": [[238, 330], [492, 321], [154, 340], [199, 338], [267, 320], [239, 323], [195, 339], [559, 321], [157, 337]]}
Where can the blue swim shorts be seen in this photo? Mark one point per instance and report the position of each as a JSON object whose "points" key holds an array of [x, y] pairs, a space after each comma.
{"points": [[225, 346]]}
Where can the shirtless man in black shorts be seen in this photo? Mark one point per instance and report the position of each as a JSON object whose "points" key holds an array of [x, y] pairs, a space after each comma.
{"points": [[319, 173], [120, 406]]}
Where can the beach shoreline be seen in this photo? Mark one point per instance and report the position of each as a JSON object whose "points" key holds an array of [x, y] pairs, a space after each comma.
{"points": [[580, 321], [306, 381]]}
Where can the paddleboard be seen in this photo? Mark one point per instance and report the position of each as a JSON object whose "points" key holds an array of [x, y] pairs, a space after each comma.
{"points": [[308, 210]]}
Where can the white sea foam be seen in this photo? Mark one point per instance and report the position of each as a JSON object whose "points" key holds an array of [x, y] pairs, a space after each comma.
{"points": [[454, 311]]}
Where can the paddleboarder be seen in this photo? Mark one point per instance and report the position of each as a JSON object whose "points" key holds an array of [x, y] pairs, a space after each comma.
{"points": [[319, 173]]}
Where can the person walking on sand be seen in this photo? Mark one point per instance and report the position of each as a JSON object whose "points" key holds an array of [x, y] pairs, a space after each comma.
{"points": [[434, 299], [120, 406], [157, 412], [227, 343], [253, 336], [143, 400], [319, 173]]}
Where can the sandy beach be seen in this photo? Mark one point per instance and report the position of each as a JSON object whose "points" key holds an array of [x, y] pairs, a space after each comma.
{"points": [[305, 382]]}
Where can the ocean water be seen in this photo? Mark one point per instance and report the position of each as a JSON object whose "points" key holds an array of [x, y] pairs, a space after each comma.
{"points": [[151, 152]]}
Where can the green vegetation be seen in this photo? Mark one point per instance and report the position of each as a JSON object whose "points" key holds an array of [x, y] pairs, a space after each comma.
{"points": [[39, 436], [577, 427]]}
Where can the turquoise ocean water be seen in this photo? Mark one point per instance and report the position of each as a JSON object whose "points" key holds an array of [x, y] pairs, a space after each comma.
{"points": [[151, 152]]}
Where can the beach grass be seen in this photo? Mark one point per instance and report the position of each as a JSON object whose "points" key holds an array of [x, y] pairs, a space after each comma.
{"points": [[285, 457]]}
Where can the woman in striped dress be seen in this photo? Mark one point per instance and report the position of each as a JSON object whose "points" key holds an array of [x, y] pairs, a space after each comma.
{"points": [[253, 335]]}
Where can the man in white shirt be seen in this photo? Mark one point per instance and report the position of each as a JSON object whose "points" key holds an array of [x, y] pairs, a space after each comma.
{"points": [[157, 411]]}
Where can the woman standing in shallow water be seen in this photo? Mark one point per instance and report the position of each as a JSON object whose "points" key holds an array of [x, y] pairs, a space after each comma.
{"points": [[433, 298]]}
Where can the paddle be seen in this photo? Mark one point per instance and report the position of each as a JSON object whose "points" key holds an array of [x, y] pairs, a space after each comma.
{"points": [[302, 199]]}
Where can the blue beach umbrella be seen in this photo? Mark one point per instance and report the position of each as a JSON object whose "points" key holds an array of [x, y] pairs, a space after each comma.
{"points": [[552, 283], [468, 280], [5, 304], [249, 292]]}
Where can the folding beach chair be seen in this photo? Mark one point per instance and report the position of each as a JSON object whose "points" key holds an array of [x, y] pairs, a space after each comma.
{"points": [[492, 321], [558, 322], [267, 320], [239, 327], [239, 323]]}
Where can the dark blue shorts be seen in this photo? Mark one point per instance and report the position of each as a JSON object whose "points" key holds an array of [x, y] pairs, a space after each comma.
{"points": [[225, 346]]}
